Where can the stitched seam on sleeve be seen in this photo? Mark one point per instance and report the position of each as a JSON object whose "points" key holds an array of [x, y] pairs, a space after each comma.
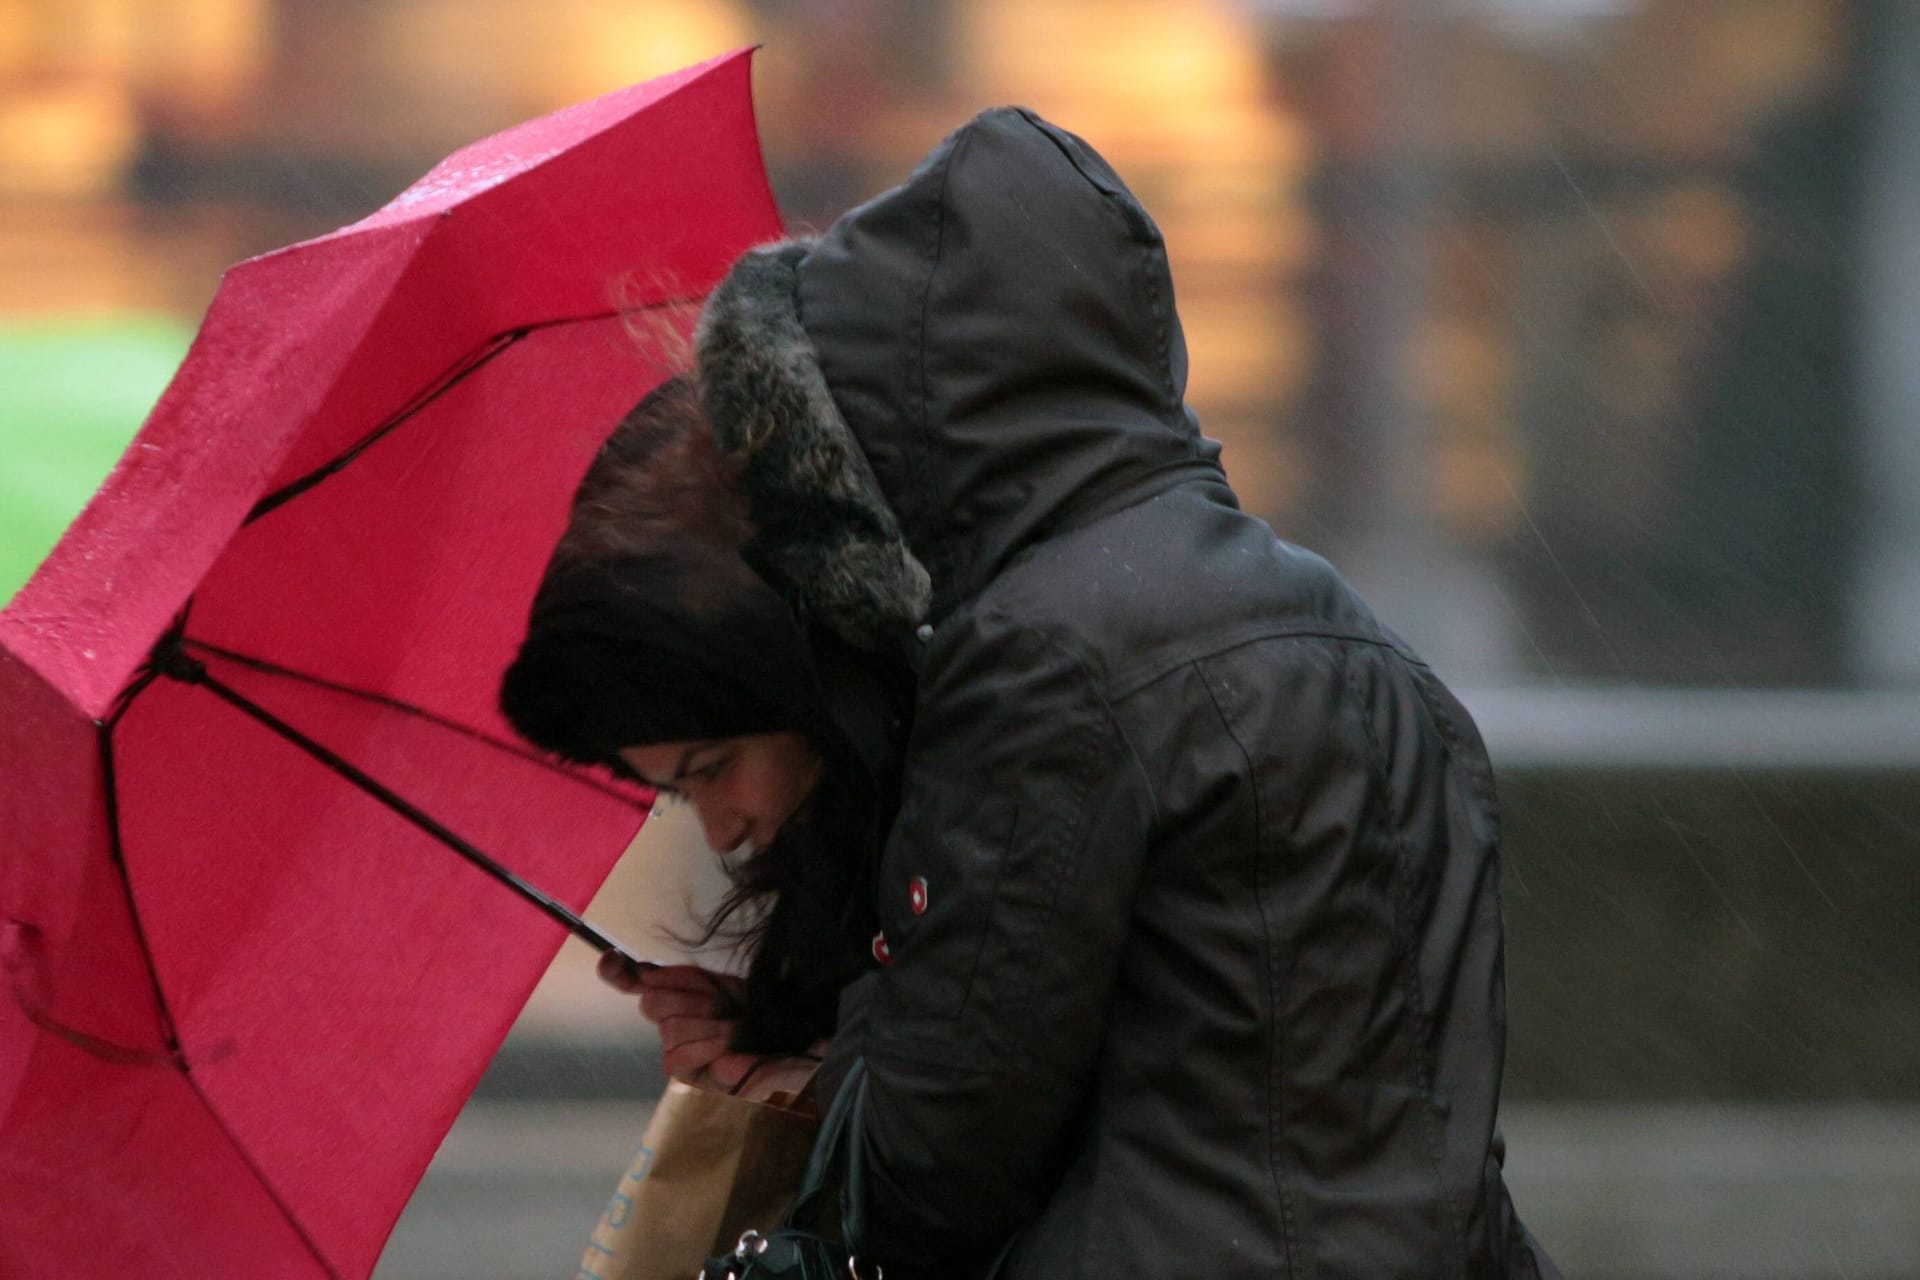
{"points": [[1419, 1033], [1070, 820], [1281, 1183]]}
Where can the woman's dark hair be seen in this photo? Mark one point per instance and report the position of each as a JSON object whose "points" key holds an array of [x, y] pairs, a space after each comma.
{"points": [[659, 490], [651, 625], [814, 937]]}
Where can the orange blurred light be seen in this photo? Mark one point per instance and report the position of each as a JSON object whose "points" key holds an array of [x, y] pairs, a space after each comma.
{"points": [[66, 139]]}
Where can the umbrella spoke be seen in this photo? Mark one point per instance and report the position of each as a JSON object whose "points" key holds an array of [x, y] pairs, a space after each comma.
{"points": [[111, 789], [266, 1184], [532, 757], [462, 369], [177, 664]]}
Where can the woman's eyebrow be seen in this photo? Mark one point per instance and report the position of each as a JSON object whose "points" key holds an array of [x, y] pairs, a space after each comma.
{"points": [[680, 769]]}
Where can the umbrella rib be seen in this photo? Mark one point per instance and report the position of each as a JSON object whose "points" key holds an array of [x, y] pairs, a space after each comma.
{"points": [[534, 758], [259, 1175], [461, 369], [191, 671], [110, 785]]}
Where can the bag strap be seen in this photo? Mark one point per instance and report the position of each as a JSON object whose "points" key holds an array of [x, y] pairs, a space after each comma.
{"points": [[838, 1151]]}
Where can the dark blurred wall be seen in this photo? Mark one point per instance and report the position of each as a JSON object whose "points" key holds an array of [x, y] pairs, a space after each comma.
{"points": [[1679, 935]]}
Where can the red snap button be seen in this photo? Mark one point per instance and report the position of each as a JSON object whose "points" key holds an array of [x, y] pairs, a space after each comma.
{"points": [[917, 895], [881, 951]]}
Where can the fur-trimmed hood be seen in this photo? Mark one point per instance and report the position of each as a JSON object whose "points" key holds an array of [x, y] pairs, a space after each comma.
{"points": [[965, 365]]}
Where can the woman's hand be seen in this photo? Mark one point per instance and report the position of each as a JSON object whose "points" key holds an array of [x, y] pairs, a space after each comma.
{"points": [[765, 1077], [697, 1012]]}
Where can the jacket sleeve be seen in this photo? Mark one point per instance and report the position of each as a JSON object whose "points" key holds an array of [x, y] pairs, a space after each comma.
{"points": [[1004, 894]]}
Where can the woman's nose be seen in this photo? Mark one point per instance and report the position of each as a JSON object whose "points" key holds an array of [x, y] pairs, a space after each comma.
{"points": [[723, 828]]}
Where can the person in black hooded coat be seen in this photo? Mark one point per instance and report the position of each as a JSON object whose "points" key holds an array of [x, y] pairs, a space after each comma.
{"points": [[1190, 912], [1190, 950]]}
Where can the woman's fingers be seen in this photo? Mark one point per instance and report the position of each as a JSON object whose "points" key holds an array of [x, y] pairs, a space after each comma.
{"points": [[688, 1044], [730, 1069], [621, 972], [695, 1009], [757, 1078], [639, 977], [661, 1005], [722, 992], [687, 977], [678, 1031]]}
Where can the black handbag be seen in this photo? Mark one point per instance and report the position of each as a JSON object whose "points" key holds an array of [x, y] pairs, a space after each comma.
{"points": [[807, 1247]]}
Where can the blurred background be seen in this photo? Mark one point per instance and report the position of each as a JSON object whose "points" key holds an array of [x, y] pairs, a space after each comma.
{"points": [[1583, 335]]}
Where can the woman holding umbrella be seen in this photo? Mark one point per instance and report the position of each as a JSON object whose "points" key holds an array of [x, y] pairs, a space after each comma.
{"points": [[1153, 880], [656, 650]]}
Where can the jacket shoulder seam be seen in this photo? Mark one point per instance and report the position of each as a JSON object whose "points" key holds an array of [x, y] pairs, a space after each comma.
{"points": [[1099, 691], [1130, 680]]}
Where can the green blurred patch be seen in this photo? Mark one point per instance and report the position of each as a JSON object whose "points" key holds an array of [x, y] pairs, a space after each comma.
{"points": [[72, 394]]}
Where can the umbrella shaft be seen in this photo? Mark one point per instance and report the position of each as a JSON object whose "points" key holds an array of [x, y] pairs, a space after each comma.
{"points": [[579, 927]]}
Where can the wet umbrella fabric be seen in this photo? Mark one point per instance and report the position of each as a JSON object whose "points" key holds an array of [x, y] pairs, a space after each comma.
{"points": [[245, 995]]}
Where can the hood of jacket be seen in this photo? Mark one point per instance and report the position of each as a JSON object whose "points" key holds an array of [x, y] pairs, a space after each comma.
{"points": [[964, 366]]}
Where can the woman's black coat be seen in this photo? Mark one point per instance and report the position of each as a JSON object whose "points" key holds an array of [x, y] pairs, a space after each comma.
{"points": [[1191, 908]]}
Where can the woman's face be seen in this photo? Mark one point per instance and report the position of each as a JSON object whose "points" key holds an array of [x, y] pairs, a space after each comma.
{"points": [[744, 788]]}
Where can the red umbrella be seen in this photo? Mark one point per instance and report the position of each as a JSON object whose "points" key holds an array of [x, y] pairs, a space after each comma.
{"points": [[249, 985]]}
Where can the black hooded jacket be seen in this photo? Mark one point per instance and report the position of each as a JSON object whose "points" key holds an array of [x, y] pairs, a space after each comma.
{"points": [[1191, 907]]}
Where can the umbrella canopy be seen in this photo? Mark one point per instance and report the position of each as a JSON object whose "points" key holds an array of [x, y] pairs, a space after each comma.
{"points": [[248, 985]]}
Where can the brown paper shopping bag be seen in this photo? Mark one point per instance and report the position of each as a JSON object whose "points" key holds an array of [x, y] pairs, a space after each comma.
{"points": [[710, 1166]]}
